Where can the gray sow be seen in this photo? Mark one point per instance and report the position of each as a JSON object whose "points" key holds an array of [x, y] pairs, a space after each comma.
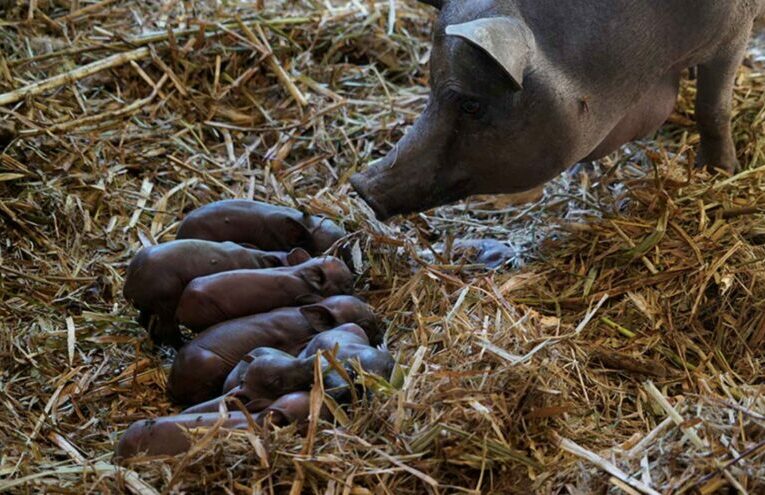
{"points": [[523, 89]]}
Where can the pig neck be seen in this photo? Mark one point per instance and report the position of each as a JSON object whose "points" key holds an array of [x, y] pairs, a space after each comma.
{"points": [[266, 259], [257, 404], [285, 329], [350, 351], [306, 364]]}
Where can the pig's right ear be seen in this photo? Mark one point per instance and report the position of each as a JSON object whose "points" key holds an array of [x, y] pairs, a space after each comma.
{"points": [[314, 277], [320, 317], [506, 40], [435, 3], [297, 256], [294, 230]]}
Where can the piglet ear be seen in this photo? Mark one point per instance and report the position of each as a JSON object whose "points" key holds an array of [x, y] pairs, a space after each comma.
{"points": [[297, 256], [435, 3], [315, 277], [296, 231], [319, 316], [276, 417], [508, 41]]}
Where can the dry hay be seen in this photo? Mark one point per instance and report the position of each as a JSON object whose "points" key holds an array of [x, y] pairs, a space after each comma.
{"points": [[626, 347]]}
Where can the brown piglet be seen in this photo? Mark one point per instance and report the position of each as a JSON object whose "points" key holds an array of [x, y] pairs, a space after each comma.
{"points": [[265, 226], [228, 295], [351, 343], [168, 435], [157, 276], [201, 366], [270, 373]]}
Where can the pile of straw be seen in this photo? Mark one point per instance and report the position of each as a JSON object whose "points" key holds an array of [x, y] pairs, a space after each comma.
{"points": [[623, 351]]}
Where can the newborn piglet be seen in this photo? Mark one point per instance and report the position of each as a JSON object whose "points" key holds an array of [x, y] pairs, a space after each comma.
{"points": [[157, 276], [270, 373], [260, 224], [489, 252], [201, 366], [169, 435], [228, 295], [352, 344]]}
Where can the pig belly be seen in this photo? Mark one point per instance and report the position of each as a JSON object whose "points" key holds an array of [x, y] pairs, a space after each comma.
{"points": [[643, 119]]}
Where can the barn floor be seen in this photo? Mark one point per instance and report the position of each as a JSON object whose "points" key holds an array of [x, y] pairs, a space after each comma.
{"points": [[622, 353]]}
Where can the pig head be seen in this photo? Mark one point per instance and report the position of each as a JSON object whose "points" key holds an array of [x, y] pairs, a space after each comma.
{"points": [[473, 136], [522, 89]]}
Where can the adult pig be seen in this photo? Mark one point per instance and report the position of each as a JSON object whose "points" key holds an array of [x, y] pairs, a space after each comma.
{"points": [[168, 435], [522, 89], [228, 295], [157, 276], [265, 226], [201, 366]]}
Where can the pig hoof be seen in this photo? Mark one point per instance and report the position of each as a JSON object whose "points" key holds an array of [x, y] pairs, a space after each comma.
{"points": [[717, 160]]}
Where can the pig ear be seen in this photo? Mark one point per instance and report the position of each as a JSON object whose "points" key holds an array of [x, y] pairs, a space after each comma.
{"points": [[298, 256], [295, 229], [319, 316], [506, 40], [314, 276], [435, 3], [277, 417]]}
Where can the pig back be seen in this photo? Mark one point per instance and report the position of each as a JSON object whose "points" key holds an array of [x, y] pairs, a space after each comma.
{"points": [[265, 226], [228, 295], [200, 369], [246, 222], [162, 271], [285, 329], [341, 336], [167, 435]]}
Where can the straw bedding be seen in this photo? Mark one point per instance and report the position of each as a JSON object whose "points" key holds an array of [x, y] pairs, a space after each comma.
{"points": [[622, 352]]}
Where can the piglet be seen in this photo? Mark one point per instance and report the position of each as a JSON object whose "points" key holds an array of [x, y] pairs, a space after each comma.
{"points": [[351, 343], [489, 252], [168, 435], [225, 296], [157, 276], [269, 227], [201, 366], [270, 373]]}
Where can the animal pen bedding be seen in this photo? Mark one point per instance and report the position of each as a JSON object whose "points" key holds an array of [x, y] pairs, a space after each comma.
{"points": [[622, 352]]}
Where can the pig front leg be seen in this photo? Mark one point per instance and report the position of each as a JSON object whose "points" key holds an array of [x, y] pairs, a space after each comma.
{"points": [[716, 79]]}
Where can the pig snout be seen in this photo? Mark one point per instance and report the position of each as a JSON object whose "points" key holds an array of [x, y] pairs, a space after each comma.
{"points": [[366, 186], [398, 192], [417, 174], [396, 185]]}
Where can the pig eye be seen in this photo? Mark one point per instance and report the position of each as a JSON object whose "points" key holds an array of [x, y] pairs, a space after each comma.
{"points": [[470, 107]]}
